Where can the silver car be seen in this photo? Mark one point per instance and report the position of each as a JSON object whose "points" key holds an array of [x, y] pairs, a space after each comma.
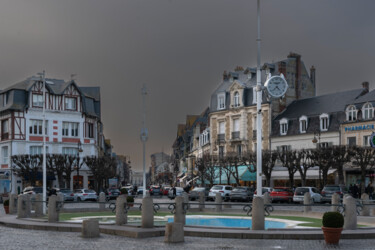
{"points": [[68, 194], [300, 193]]}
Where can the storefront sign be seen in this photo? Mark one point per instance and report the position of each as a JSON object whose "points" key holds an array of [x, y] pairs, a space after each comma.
{"points": [[360, 127], [372, 140]]}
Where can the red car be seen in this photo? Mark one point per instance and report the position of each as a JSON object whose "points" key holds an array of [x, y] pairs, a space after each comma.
{"points": [[281, 194], [165, 190]]}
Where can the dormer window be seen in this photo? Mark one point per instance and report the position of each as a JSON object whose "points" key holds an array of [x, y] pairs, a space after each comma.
{"points": [[221, 101], [368, 111], [236, 99], [302, 124], [324, 122], [351, 114], [70, 103], [37, 100], [283, 126]]}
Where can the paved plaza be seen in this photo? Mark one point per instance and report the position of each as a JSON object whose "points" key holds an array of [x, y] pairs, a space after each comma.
{"points": [[12, 238]]}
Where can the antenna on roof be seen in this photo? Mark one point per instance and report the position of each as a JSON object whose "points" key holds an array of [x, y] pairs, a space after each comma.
{"points": [[72, 77]]}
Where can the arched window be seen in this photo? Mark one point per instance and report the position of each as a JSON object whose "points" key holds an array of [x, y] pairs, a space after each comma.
{"points": [[236, 99], [351, 114], [368, 111], [303, 124], [324, 122]]}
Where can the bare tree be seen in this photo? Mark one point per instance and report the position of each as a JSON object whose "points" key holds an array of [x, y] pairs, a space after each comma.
{"points": [[27, 166], [305, 164], [288, 159], [268, 163], [364, 158], [322, 157], [340, 156]]}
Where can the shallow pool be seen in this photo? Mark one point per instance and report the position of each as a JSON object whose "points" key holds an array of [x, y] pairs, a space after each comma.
{"points": [[244, 222]]}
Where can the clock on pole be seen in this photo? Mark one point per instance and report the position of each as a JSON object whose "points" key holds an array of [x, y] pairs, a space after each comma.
{"points": [[276, 86]]}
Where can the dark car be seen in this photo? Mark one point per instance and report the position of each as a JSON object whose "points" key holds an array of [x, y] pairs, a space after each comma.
{"points": [[281, 194], [155, 190], [194, 194], [112, 193], [241, 194], [329, 190], [68, 194]]}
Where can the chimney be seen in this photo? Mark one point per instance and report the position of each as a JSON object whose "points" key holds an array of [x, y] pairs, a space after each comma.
{"points": [[225, 76], [312, 78], [366, 86]]}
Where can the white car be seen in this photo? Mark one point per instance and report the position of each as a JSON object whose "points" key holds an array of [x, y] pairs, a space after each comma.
{"points": [[299, 194], [85, 195], [224, 190]]}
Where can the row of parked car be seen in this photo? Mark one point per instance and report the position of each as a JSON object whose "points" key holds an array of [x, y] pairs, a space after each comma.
{"points": [[277, 194]]}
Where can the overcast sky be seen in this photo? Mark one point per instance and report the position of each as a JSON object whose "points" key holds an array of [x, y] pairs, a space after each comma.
{"points": [[179, 49]]}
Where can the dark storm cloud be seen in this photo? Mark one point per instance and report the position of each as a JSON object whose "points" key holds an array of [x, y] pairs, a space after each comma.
{"points": [[179, 49]]}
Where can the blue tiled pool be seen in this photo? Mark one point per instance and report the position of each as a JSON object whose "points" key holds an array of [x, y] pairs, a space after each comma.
{"points": [[227, 222]]}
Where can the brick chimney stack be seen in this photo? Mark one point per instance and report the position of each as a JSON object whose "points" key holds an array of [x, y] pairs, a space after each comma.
{"points": [[225, 76], [312, 78], [366, 86]]}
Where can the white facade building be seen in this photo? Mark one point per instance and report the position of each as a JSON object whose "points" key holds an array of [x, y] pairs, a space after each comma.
{"points": [[72, 116]]}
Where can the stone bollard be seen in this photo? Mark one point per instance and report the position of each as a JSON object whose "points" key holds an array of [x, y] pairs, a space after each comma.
{"points": [[201, 201], [179, 215], [53, 213], [101, 201], [121, 216], [174, 233], [90, 228], [266, 198], [218, 201], [307, 202], [365, 201], [23, 206], [39, 205], [257, 213], [13, 204], [350, 219], [60, 198], [186, 199], [147, 212], [335, 201], [32, 200]]}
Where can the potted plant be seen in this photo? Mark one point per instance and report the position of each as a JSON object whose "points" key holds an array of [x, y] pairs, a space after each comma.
{"points": [[332, 226], [130, 201], [6, 206]]}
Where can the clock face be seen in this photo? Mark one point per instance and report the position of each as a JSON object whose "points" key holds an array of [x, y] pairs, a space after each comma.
{"points": [[276, 86]]}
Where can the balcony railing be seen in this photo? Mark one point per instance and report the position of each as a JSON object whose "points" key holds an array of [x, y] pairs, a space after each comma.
{"points": [[254, 134], [221, 137], [4, 136], [236, 135]]}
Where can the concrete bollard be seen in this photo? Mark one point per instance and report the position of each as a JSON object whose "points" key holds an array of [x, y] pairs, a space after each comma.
{"points": [[39, 205], [201, 201], [121, 216], [53, 214], [366, 208], [23, 206], [32, 200], [257, 213], [266, 198], [335, 201], [90, 228], [350, 219], [147, 212], [13, 204], [186, 199], [102, 201], [218, 201], [174, 233], [179, 215], [307, 202]]}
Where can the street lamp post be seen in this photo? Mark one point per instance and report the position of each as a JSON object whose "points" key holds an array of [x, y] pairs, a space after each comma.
{"points": [[79, 150], [144, 137], [316, 140]]}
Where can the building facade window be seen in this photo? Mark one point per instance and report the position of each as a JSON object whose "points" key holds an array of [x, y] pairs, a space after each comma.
{"points": [[37, 150], [221, 131], [70, 129], [368, 111], [69, 151], [4, 130], [324, 122], [366, 140], [4, 155], [236, 129], [236, 99], [37, 100], [239, 150], [303, 124], [204, 138], [35, 127], [351, 114], [71, 103], [351, 141], [221, 101], [283, 126], [221, 152]]}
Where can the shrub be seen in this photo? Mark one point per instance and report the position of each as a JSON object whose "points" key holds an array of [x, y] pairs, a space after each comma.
{"points": [[124, 191], [130, 199], [333, 219], [6, 203]]}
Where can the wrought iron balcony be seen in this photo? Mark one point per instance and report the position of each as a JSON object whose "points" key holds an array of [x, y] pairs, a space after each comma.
{"points": [[221, 137], [236, 135]]}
